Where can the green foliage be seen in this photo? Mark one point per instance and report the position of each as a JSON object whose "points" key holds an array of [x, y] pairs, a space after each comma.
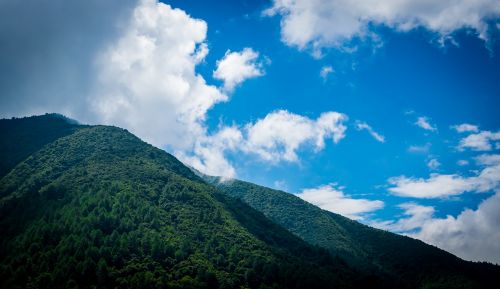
{"points": [[20, 137], [95, 207], [406, 262], [101, 209]]}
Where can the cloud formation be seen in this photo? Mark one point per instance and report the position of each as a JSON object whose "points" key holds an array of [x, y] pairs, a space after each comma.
{"points": [[364, 126], [433, 164], [424, 123], [472, 235], [446, 185], [481, 141], [317, 24], [465, 127], [280, 134], [208, 155], [236, 67], [325, 71], [413, 218], [147, 79], [332, 199], [134, 66], [275, 138]]}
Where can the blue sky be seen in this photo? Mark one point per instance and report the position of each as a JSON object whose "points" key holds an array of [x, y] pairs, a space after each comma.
{"points": [[236, 88]]}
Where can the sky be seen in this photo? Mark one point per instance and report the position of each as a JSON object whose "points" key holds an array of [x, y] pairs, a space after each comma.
{"points": [[383, 111]]}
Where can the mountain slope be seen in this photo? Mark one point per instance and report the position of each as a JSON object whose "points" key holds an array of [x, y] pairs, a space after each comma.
{"points": [[20, 137], [411, 263], [100, 208], [95, 207]]}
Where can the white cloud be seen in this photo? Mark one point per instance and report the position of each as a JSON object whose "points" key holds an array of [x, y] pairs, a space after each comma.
{"points": [[420, 149], [140, 74], [487, 160], [465, 127], [416, 216], [332, 199], [462, 162], [135, 67], [275, 138], [472, 235], [208, 154], [147, 80], [424, 123], [437, 186], [147, 83], [433, 164], [481, 141], [236, 67], [373, 133], [280, 134], [316, 24], [442, 186], [325, 71]]}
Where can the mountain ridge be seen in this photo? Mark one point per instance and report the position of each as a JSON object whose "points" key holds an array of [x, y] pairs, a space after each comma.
{"points": [[371, 249], [105, 209], [102, 208]]}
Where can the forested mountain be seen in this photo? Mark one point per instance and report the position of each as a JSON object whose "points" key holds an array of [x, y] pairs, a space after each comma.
{"points": [[409, 262], [20, 137], [96, 207], [99, 207]]}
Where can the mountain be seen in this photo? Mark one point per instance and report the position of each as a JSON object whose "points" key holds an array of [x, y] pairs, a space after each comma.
{"points": [[99, 208], [20, 137], [96, 207], [410, 263]]}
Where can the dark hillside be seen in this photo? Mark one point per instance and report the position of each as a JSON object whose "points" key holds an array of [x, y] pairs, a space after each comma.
{"points": [[99, 207], [96, 207], [20, 137], [409, 262]]}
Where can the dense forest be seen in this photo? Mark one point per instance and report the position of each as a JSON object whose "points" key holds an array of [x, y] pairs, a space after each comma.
{"points": [[20, 137], [408, 262], [101, 208], [96, 207]]}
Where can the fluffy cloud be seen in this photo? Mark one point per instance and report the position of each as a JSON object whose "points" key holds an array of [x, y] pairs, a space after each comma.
{"points": [[481, 141], [280, 134], [315, 24], [147, 79], [208, 155], [414, 217], [275, 138], [373, 133], [236, 67], [424, 123], [473, 235], [437, 186], [134, 66], [334, 200], [465, 127], [487, 160], [442, 186]]}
